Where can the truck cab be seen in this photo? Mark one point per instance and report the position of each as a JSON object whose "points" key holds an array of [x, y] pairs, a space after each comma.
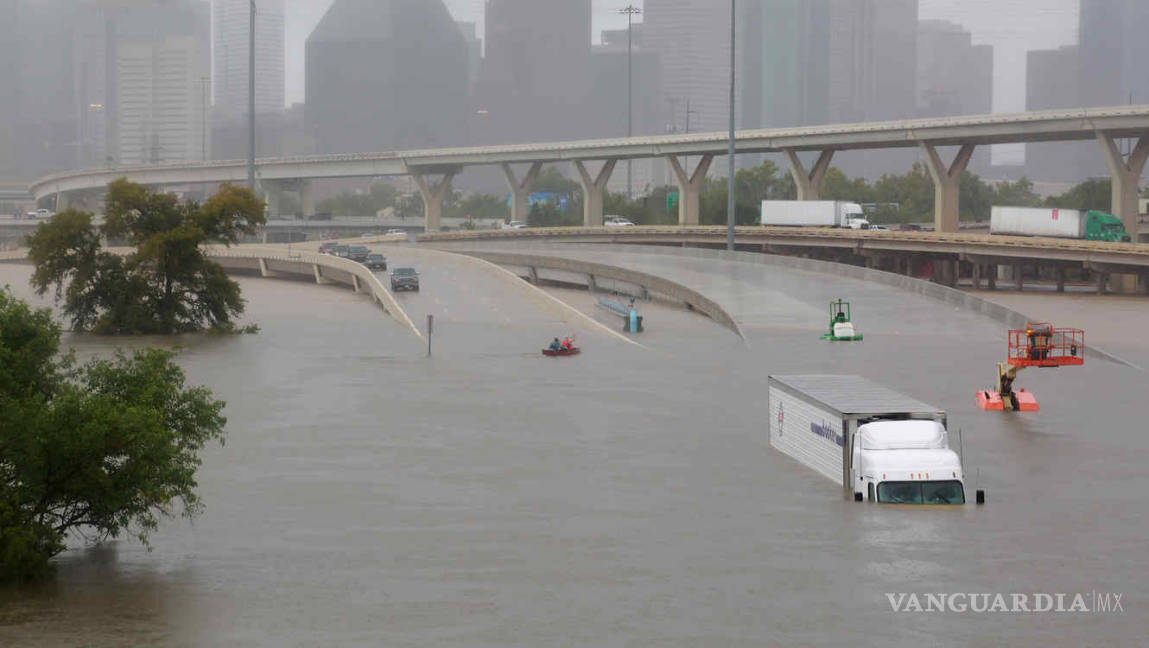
{"points": [[906, 462], [1103, 226]]}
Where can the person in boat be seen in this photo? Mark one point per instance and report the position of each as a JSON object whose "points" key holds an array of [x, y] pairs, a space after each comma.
{"points": [[556, 345], [567, 344]]}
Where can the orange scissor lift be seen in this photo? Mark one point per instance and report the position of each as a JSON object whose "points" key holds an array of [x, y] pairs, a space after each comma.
{"points": [[1039, 344]]}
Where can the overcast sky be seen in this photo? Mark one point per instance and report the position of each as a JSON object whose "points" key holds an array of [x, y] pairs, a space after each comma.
{"points": [[1011, 26]]}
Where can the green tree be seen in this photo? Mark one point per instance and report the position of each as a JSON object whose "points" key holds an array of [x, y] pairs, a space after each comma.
{"points": [[546, 214], [167, 284], [96, 450], [836, 186], [381, 195], [1091, 194], [1016, 194], [905, 198], [974, 198], [480, 207]]}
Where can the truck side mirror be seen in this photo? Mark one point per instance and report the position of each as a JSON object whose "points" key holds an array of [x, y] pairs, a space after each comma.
{"points": [[980, 496]]}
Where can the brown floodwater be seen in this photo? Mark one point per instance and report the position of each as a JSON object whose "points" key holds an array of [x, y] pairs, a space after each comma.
{"points": [[368, 495]]}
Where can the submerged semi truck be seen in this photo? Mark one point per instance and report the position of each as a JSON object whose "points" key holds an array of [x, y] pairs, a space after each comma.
{"points": [[1090, 225], [880, 445], [813, 213]]}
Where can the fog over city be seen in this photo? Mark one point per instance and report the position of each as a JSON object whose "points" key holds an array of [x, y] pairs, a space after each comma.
{"points": [[668, 323]]}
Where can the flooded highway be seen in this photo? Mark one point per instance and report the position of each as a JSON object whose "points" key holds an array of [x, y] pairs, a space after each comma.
{"points": [[368, 495]]}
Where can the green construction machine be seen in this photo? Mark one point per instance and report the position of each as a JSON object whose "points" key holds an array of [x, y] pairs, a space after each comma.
{"points": [[841, 328]]}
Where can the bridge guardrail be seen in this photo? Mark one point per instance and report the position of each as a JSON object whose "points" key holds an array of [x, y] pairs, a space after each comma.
{"points": [[1132, 254]]}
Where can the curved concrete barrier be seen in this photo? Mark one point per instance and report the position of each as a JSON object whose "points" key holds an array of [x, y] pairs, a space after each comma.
{"points": [[997, 312], [269, 261], [546, 302], [672, 290]]}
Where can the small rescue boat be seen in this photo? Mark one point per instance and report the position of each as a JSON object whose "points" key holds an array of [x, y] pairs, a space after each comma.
{"points": [[551, 353]]}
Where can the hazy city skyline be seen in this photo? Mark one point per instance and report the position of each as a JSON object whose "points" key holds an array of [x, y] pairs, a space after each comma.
{"points": [[1013, 27]]}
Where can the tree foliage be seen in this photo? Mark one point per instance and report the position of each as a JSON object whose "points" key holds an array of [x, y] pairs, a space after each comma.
{"points": [[95, 450], [1095, 193], [167, 284], [379, 196]]}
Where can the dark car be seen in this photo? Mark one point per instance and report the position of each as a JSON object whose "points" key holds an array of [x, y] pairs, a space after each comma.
{"points": [[341, 251], [404, 279], [358, 253], [375, 261]]}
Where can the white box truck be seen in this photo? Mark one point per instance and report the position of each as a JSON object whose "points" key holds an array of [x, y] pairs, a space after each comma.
{"points": [[880, 445], [1090, 225], [813, 213]]}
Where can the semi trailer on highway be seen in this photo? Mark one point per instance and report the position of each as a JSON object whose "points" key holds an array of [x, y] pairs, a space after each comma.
{"points": [[1090, 225], [813, 213], [880, 445]]}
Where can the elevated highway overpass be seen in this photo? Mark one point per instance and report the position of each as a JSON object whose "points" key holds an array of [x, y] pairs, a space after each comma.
{"points": [[433, 169], [952, 255]]}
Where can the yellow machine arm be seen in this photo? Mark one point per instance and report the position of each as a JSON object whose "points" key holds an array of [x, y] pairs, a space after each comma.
{"points": [[1006, 373]]}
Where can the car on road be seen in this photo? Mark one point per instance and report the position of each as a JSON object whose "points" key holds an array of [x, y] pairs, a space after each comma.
{"points": [[375, 261], [341, 251], [514, 225], [327, 248], [43, 213], [392, 232], [879, 228], [404, 279], [358, 253], [618, 221]]}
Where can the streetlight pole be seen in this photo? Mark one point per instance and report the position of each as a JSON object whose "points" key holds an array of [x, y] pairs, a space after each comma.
{"points": [[251, 101], [203, 118], [730, 179], [630, 12]]}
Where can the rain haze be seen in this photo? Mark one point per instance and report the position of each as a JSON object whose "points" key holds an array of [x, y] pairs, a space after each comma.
{"points": [[534, 322]]}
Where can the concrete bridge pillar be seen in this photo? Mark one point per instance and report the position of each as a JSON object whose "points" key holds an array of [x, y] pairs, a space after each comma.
{"points": [[689, 187], [592, 188], [808, 182], [63, 201], [521, 189], [946, 179], [1125, 175], [273, 195], [433, 195], [307, 199]]}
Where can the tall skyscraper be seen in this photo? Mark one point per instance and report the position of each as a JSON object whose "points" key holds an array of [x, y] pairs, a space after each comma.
{"points": [[232, 34], [385, 75], [692, 42], [38, 131], [536, 73], [786, 59], [873, 49], [1053, 81], [954, 76], [162, 58], [1105, 68]]}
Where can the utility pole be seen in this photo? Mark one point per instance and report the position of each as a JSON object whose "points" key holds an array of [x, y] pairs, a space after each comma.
{"points": [[730, 180], [203, 119], [251, 101], [631, 11]]}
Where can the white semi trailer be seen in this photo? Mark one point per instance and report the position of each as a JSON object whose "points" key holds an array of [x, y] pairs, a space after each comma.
{"points": [[880, 445], [813, 213]]}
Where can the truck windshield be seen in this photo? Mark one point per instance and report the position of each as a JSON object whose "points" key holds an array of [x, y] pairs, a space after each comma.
{"points": [[932, 492]]}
